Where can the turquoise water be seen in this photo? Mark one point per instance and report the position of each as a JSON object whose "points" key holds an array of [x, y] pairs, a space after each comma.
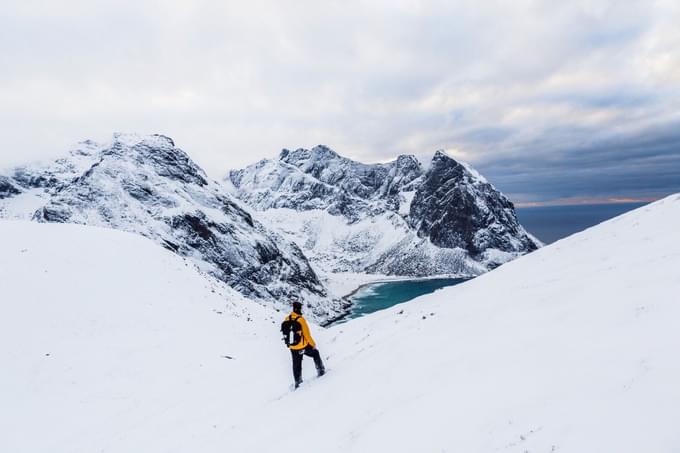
{"points": [[547, 223], [378, 296]]}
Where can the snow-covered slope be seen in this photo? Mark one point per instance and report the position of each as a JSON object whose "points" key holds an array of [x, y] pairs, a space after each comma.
{"points": [[146, 185], [109, 342], [394, 218], [573, 348]]}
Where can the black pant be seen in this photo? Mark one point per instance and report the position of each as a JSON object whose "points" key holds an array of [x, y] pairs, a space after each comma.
{"points": [[297, 361]]}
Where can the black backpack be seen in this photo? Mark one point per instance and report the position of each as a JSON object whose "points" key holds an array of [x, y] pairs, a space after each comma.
{"points": [[292, 331]]}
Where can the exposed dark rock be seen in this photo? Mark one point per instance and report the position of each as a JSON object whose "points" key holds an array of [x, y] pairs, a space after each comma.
{"points": [[7, 188], [453, 208]]}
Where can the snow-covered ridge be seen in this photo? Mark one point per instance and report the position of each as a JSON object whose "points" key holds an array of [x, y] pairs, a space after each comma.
{"points": [[390, 218], [147, 185]]}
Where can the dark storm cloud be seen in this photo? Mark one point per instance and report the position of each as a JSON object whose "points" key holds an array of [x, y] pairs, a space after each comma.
{"points": [[644, 165]]}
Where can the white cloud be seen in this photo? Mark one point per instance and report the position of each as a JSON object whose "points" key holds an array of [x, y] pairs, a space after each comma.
{"points": [[233, 82]]}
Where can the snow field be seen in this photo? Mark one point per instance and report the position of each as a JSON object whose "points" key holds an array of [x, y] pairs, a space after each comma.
{"points": [[111, 343], [572, 348]]}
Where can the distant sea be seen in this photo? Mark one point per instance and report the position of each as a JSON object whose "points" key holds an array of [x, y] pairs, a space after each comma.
{"points": [[550, 223]]}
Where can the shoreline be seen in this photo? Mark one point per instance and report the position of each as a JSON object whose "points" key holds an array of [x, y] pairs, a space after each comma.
{"points": [[407, 279], [347, 297]]}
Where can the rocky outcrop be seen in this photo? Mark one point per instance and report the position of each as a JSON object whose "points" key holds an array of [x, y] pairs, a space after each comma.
{"points": [[454, 207], [7, 188]]}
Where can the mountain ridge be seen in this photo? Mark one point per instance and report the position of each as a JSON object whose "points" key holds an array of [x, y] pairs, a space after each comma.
{"points": [[146, 185], [466, 229]]}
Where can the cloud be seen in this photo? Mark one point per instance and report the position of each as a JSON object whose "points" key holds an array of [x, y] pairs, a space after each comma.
{"points": [[517, 84], [645, 164]]}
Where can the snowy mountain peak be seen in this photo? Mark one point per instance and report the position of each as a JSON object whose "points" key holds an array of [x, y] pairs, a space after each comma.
{"points": [[147, 185], [301, 156], [446, 166], [440, 154], [407, 160], [154, 140], [442, 160], [398, 217], [457, 208], [160, 152]]}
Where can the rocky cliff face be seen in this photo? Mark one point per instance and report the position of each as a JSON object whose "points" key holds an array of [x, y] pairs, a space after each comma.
{"points": [[394, 218], [148, 186], [321, 179], [455, 207]]}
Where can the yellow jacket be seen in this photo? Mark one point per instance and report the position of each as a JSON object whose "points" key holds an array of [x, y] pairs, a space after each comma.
{"points": [[307, 339]]}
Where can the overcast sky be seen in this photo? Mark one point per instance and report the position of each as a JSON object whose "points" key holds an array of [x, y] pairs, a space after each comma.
{"points": [[549, 99]]}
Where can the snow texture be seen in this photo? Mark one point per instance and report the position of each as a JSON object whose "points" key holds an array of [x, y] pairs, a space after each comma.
{"points": [[110, 343], [392, 218]]}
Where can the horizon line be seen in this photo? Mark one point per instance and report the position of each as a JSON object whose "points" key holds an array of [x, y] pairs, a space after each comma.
{"points": [[585, 201]]}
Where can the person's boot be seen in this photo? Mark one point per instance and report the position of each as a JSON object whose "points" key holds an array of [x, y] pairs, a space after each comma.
{"points": [[297, 383], [320, 369]]}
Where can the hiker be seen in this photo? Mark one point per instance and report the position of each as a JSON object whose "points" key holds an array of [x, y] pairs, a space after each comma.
{"points": [[299, 340]]}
